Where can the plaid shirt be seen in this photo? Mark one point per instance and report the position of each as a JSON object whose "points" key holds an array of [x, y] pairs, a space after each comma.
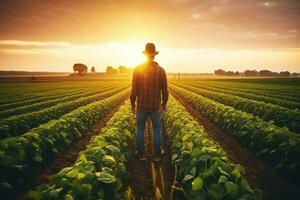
{"points": [[149, 86]]}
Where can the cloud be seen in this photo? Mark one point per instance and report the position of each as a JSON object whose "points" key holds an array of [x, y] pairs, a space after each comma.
{"points": [[27, 44], [91, 21]]}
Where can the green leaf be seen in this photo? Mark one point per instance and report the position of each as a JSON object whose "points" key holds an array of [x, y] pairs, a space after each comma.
{"points": [[206, 142], [34, 195], [231, 189], [80, 175], [53, 194], [222, 171], [109, 158], [42, 187], [107, 169], [193, 171], [38, 158], [187, 178], [186, 137], [105, 177], [212, 194], [73, 173], [197, 184], [19, 167], [236, 173], [222, 179], [87, 187], [174, 157], [82, 157], [204, 157], [68, 197]]}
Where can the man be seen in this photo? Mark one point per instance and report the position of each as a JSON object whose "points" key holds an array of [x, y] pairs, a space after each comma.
{"points": [[149, 87]]}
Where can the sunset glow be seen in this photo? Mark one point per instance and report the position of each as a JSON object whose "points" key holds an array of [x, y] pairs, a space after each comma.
{"points": [[191, 36]]}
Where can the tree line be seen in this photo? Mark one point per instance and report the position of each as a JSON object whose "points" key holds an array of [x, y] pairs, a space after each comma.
{"points": [[253, 73], [110, 70], [81, 69]]}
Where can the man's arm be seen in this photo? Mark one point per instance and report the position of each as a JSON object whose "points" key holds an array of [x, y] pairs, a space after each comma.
{"points": [[164, 89], [133, 93]]}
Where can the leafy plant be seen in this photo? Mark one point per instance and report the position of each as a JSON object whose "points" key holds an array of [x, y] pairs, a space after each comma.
{"points": [[32, 107], [281, 116], [19, 124], [99, 171], [245, 94], [24, 155], [203, 169], [278, 146]]}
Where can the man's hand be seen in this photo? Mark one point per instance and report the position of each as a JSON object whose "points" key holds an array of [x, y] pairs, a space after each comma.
{"points": [[133, 110]]}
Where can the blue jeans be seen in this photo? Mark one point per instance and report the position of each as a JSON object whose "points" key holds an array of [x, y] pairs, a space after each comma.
{"points": [[156, 125]]}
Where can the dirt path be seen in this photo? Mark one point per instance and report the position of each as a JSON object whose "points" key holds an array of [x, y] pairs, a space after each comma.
{"points": [[148, 179], [257, 171], [64, 159]]}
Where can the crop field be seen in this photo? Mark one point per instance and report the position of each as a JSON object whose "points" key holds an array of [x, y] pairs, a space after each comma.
{"points": [[224, 139]]}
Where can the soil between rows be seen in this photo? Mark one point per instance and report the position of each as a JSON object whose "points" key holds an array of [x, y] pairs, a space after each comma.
{"points": [[140, 178], [258, 173], [63, 159]]}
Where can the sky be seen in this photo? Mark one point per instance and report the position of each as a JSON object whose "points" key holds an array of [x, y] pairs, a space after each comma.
{"points": [[190, 35]]}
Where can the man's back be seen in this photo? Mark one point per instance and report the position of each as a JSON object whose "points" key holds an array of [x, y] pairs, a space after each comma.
{"points": [[149, 85]]}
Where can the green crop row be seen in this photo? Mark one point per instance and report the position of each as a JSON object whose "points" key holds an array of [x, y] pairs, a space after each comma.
{"points": [[45, 104], [23, 100], [283, 103], [264, 90], [8, 98], [24, 155], [278, 146], [19, 124], [34, 98], [276, 95], [99, 171], [288, 86], [203, 169], [269, 112], [20, 94]]}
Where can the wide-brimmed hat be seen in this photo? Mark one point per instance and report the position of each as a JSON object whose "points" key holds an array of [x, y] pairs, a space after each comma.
{"points": [[150, 49]]}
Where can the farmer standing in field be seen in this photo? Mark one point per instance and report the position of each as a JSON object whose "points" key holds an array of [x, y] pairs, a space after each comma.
{"points": [[149, 87]]}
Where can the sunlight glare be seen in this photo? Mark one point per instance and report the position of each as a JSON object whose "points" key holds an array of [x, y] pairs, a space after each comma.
{"points": [[127, 53]]}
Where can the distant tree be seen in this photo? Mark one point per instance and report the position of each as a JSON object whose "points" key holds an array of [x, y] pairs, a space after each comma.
{"points": [[237, 73], [220, 72], [123, 69], [111, 70], [80, 68], [265, 73], [285, 73], [93, 69], [250, 73], [294, 74], [229, 73]]}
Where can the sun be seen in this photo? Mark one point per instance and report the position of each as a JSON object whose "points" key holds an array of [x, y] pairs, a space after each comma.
{"points": [[127, 53]]}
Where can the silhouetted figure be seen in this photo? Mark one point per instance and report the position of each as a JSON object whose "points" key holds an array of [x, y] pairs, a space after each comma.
{"points": [[149, 87]]}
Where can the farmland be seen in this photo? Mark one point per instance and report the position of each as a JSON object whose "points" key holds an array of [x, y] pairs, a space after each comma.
{"points": [[223, 139]]}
